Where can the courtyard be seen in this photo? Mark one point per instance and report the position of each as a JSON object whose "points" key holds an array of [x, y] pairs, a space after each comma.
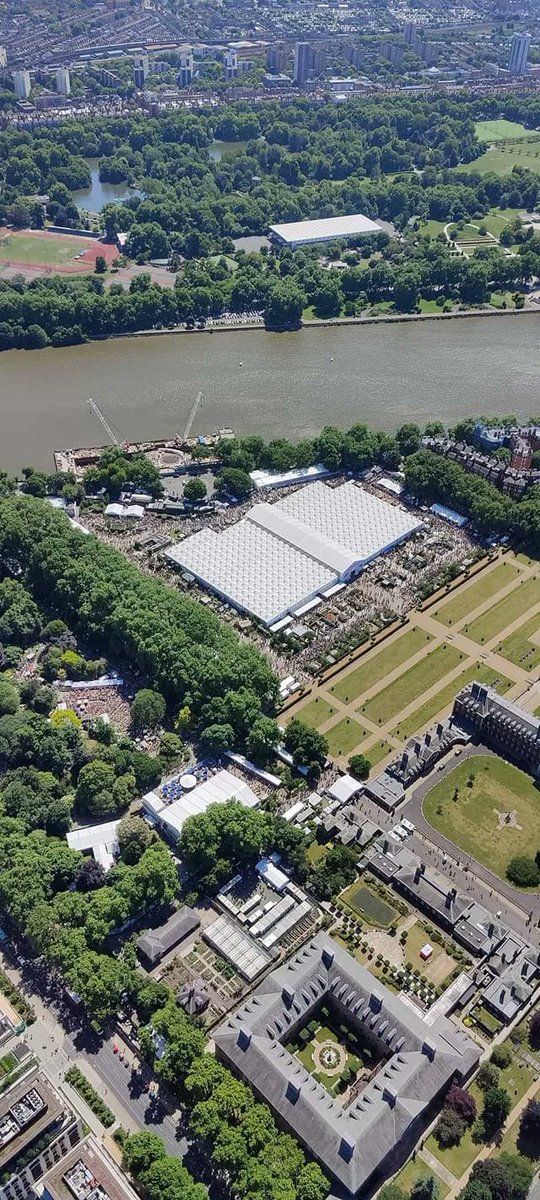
{"points": [[337, 1057], [489, 809]]}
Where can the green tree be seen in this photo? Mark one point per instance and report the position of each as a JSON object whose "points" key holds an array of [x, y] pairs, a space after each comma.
{"points": [[101, 264], [231, 481], [168, 1179], [141, 1150], [523, 871], [262, 739], [284, 306], [359, 766], [134, 837], [148, 709], [9, 697], [195, 490], [497, 1105]]}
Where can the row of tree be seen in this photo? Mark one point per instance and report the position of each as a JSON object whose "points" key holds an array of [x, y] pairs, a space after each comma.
{"points": [[430, 477]]}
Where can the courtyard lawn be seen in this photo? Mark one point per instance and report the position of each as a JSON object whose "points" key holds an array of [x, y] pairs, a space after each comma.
{"points": [[314, 713], [344, 737], [53, 251], [470, 596], [374, 667], [444, 699], [343, 1050], [501, 159], [520, 649], [367, 905], [411, 684], [415, 1170], [471, 822], [505, 612], [500, 131], [439, 966]]}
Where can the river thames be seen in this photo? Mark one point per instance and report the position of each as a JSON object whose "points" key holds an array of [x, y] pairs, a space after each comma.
{"points": [[278, 385]]}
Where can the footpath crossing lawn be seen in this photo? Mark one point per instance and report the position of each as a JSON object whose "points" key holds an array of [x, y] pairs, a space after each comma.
{"points": [[501, 615], [519, 649], [374, 667], [344, 736], [469, 597], [443, 699], [471, 820], [412, 684]]}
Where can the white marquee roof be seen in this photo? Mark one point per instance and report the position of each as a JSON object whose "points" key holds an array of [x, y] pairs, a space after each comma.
{"points": [[281, 555], [216, 790], [325, 228]]}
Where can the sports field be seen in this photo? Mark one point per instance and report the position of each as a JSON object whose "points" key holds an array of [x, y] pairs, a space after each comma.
{"points": [[500, 130], [374, 667], [475, 817], [46, 252], [505, 612], [396, 696], [470, 596]]}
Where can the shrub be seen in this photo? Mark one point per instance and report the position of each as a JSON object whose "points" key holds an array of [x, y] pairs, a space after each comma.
{"points": [[523, 871], [450, 1129]]}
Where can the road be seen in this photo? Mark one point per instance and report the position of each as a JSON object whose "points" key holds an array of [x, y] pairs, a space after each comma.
{"points": [[518, 905], [59, 1041]]}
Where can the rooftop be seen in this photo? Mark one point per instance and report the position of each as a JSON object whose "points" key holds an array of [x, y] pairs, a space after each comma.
{"points": [[356, 1142], [85, 1174], [216, 789], [25, 1112], [280, 556], [156, 942], [325, 229]]}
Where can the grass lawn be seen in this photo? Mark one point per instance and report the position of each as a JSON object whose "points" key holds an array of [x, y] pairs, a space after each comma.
{"points": [[496, 220], [443, 699], [315, 712], [505, 612], [519, 649], [457, 1158], [466, 599], [53, 251], [367, 905], [343, 737], [517, 1079], [500, 131], [415, 1170], [469, 233], [502, 300], [503, 157], [439, 966], [429, 306], [411, 684], [377, 752], [374, 667], [316, 852], [470, 821], [431, 229], [513, 1144]]}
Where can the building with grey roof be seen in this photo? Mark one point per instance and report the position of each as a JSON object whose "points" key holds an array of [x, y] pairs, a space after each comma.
{"points": [[153, 944], [500, 723], [434, 894], [358, 1144], [514, 966]]}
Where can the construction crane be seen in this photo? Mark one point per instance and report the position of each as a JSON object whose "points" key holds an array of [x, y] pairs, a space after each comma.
{"points": [[94, 408]]}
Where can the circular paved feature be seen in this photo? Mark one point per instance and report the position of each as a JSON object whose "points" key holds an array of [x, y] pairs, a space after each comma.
{"points": [[329, 1057]]}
